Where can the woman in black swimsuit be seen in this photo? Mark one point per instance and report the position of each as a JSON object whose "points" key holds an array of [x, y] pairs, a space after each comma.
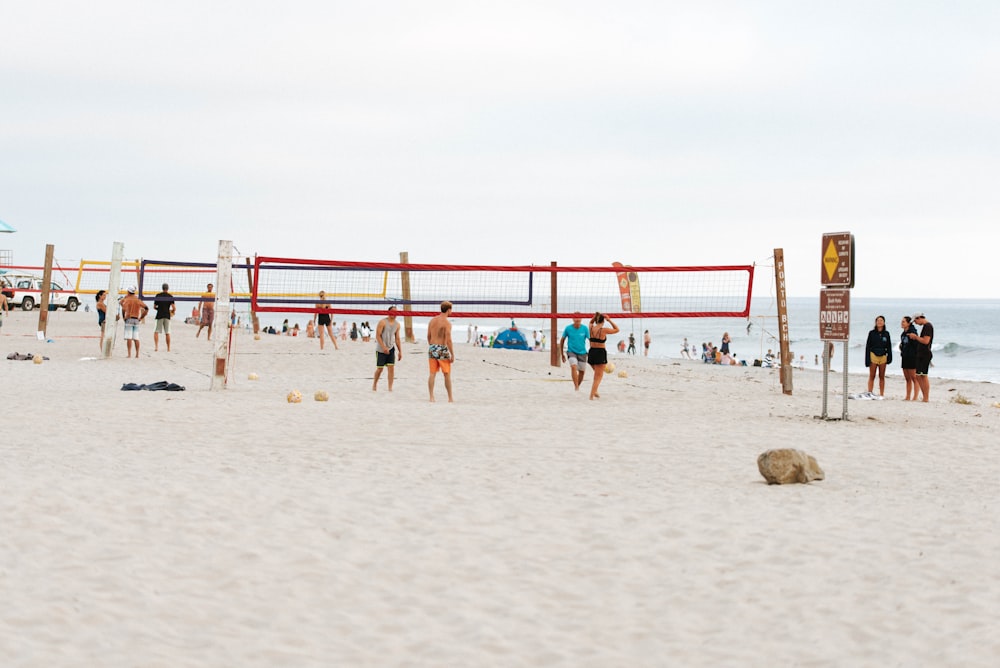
{"points": [[598, 354], [324, 321]]}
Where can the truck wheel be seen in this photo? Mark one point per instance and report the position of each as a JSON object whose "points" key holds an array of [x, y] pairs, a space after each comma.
{"points": [[27, 304]]}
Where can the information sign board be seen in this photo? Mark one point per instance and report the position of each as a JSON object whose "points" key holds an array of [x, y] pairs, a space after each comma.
{"points": [[834, 315]]}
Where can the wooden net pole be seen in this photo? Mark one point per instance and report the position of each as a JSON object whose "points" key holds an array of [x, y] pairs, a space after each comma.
{"points": [[111, 301], [783, 339], [555, 358], [404, 258], [43, 315], [222, 323]]}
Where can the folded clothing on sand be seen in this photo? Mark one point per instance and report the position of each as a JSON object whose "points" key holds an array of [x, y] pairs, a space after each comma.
{"points": [[22, 356], [161, 385]]}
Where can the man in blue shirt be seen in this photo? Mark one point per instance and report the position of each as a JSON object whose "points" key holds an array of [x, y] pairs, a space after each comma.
{"points": [[577, 335]]}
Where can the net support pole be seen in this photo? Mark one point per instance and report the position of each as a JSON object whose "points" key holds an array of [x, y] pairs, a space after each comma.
{"points": [[404, 258], [43, 315], [786, 357], [554, 356], [111, 303], [253, 313], [222, 324]]}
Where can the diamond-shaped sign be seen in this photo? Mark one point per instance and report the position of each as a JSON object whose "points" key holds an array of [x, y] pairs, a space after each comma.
{"points": [[838, 260]]}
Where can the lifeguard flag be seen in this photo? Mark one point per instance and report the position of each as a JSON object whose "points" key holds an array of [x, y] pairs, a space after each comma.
{"points": [[628, 288]]}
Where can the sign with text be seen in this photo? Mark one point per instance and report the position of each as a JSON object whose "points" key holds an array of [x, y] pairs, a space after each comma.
{"points": [[838, 260], [834, 315]]}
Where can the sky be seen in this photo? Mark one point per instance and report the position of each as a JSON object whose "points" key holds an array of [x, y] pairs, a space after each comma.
{"points": [[522, 132]]}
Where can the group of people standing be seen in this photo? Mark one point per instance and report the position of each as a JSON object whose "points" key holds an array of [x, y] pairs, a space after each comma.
{"points": [[577, 354], [134, 312], [914, 355]]}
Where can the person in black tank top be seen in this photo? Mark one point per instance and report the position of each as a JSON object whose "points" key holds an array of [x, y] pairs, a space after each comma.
{"points": [[598, 355]]}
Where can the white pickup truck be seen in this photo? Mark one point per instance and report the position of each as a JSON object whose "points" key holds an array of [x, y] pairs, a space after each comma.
{"points": [[28, 293]]}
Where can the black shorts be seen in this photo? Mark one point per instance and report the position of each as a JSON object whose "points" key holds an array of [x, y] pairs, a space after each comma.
{"points": [[597, 356], [923, 365], [323, 319], [908, 361], [382, 359]]}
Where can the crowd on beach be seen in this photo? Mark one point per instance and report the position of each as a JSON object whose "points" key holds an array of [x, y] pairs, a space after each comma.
{"points": [[586, 345]]}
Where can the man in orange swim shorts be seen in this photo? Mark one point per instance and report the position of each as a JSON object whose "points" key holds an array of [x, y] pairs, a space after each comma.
{"points": [[440, 350]]}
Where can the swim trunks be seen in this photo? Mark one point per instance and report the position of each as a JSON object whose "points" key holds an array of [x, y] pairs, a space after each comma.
{"points": [[323, 319], [385, 359], [579, 360], [439, 358], [207, 315]]}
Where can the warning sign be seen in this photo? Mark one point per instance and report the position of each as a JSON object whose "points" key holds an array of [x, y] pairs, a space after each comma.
{"points": [[834, 315], [838, 260]]}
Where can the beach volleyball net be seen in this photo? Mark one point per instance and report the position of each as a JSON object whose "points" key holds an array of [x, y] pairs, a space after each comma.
{"points": [[292, 285], [187, 280]]}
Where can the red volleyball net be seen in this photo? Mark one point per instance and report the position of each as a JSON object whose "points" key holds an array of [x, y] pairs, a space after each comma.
{"points": [[293, 285]]}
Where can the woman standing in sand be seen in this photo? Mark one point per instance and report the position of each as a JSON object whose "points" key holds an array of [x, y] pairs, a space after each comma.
{"points": [[878, 355], [102, 314], [323, 322], [908, 357], [597, 357]]}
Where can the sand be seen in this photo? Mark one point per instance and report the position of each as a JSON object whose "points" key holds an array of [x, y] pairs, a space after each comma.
{"points": [[522, 525]]}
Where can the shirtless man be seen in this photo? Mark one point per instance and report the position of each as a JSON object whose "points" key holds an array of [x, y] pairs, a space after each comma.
{"points": [[206, 312], [134, 312], [440, 350], [387, 346]]}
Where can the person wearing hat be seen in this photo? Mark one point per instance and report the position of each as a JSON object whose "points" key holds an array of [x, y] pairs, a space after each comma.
{"points": [[134, 312], [924, 354]]}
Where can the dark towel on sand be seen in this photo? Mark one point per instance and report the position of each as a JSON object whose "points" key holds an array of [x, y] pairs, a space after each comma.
{"points": [[162, 385]]}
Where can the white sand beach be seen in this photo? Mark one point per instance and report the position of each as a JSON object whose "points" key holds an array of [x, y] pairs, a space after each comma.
{"points": [[522, 525]]}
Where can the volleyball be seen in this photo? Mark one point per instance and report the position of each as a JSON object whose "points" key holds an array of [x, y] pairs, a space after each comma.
{"points": [[256, 337], [610, 368], [252, 376], [294, 397], [37, 359], [321, 395], [623, 374]]}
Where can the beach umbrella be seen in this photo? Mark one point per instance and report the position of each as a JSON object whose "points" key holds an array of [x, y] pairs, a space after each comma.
{"points": [[4, 227]]}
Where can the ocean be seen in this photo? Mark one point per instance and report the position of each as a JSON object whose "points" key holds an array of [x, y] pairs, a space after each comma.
{"points": [[965, 333]]}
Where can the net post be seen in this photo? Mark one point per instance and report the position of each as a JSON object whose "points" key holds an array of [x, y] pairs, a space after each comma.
{"points": [[253, 313], [43, 315], [223, 308], [111, 304], [404, 258], [786, 358], [554, 356]]}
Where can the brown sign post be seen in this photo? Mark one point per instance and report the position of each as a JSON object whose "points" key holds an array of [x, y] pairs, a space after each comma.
{"points": [[837, 271]]}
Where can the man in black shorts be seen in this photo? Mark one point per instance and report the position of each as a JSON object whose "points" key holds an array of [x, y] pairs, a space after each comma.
{"points": [[387, 346], [924, 354]]}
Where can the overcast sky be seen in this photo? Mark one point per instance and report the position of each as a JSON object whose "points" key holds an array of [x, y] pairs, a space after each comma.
{"points": [[652, 133]]}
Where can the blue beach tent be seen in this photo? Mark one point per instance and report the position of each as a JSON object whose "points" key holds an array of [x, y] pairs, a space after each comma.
{"points": [[511, 339]]}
